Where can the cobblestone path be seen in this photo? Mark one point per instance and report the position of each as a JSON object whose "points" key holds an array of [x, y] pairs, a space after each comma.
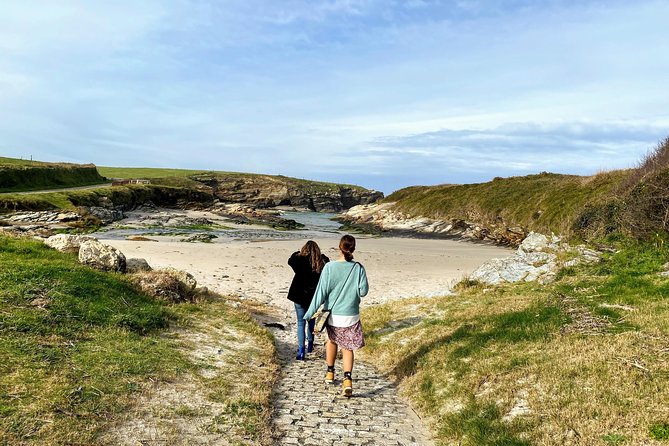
{"points": [[307, 411]]}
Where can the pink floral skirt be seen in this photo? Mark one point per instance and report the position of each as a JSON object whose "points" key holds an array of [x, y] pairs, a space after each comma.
{"points": [[349, 338]]}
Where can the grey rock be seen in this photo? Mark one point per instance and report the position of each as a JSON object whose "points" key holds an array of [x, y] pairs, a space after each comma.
{"points": [[184, 277], [137, 265], [201, 238], [101, 256], [104, 214], [67, 242], [534, 242]]}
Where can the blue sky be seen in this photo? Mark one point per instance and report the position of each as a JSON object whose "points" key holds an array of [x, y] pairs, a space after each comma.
{"points": [[384, 94]]}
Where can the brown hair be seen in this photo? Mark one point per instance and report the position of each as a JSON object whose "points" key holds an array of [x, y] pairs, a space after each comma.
{"points": [[347, 246], [313, 252]]}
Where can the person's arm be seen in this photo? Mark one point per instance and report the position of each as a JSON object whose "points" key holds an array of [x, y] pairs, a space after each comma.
{"points": [[363, 285], [320, 294], [294, 260]]}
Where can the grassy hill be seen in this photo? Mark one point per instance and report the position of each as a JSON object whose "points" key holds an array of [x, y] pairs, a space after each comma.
{"points": [[21, 175], [79, 348], [633, 201]]}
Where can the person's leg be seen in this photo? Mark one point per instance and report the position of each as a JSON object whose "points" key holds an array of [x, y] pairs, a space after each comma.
{"points": [[330, 353], [299, 313], [330, 357], [347, 362], [311, 323]]}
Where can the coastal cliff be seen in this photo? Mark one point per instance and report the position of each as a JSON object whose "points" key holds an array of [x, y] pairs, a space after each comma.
{"points": [[269, 191]]}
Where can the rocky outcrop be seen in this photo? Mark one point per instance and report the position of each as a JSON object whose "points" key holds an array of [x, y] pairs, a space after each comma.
{"points": [[104, 257], [538, 258], [269, 191], [106, 215], [384, 217], [67, 242]]}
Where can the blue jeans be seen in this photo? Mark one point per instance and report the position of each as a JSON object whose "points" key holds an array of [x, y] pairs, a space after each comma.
{"points": [[300, 311]]}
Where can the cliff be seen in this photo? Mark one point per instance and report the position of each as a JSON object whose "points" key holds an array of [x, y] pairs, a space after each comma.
{"points": [[269, 190]]}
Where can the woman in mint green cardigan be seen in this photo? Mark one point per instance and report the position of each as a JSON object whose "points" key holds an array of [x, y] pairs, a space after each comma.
{"points": [[341, 285]]}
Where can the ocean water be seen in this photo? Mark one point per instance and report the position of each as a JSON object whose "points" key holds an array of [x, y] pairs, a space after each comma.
{"points": [[316, 225]]}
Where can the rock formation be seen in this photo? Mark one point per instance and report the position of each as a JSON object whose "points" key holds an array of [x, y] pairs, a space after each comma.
{"points": [[269, 191], [137, 265], [383, 217], [67, 242], [104, 257], [535, 260]]}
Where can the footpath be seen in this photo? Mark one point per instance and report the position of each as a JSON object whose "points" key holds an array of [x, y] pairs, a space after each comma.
{"points": [[307, 411]]}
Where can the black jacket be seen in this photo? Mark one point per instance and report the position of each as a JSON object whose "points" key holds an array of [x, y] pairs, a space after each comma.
{"points": [[304, 283]]}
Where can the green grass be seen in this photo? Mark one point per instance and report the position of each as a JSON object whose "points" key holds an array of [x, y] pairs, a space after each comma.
{"points": [[181, 177], [545, 202], [74, 343], [21, 176], [129, 196], [466, 360], [147, 172], [78, 346]]}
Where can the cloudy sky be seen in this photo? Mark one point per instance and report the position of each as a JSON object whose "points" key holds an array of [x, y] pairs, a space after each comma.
{"points": [[382, 93]]}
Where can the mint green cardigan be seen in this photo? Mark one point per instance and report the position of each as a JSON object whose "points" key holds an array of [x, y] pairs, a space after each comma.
{"points": [[330, 286]]}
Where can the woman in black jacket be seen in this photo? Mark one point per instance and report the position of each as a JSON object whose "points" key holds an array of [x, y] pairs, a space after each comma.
{"points": [[307, 264]]}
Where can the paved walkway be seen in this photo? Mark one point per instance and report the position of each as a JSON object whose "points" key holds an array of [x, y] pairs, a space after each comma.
{"points": [[309, 412]]}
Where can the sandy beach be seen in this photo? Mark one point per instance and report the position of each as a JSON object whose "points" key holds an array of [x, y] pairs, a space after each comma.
{"points": [[397, 267]]}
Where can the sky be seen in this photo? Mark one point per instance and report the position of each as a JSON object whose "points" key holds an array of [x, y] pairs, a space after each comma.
{"points": [[380, 93]]}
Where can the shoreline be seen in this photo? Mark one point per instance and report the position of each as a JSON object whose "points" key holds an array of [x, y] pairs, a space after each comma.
{"points": [[397, 267]]}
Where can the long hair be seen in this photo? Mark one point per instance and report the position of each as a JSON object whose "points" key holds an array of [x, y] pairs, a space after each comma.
{"points": [[313, 253], [347, 246]]}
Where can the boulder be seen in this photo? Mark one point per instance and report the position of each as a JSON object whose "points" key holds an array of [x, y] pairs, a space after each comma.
{"points": [[527, 267], [162, 285], [184, 277], [137, 265], [104, 214], [67, 242], [101, 256], [534, 242]]}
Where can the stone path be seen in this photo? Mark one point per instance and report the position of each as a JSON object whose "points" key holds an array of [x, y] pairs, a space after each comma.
{"points": [[307, 411]]}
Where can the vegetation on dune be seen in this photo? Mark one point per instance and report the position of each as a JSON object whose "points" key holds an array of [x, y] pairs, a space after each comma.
{"points": [[582, 361], [19, 175], [78, 346]]}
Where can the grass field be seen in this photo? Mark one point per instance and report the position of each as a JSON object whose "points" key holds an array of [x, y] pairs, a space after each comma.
{"points": [[78, 347], [582, 361], [146, 172]]}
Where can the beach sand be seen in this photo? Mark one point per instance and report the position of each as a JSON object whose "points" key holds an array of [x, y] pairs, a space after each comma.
{"points": [[396, 267]]}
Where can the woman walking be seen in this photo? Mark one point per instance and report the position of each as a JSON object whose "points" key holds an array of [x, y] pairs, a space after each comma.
{"points": [[307, 264], [340, 288]]}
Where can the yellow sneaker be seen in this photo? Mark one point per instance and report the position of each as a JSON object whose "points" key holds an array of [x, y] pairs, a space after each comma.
{"points": [[347, 387], [329, 377]]}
